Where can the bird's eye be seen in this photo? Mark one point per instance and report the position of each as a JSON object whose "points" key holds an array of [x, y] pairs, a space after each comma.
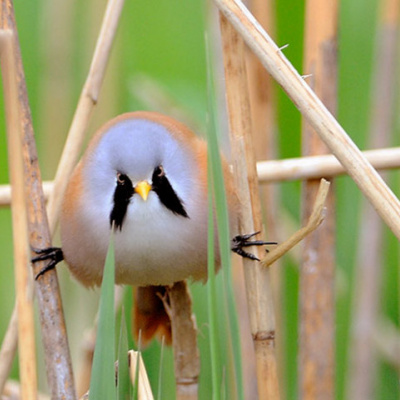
{"points": [[121, 178], [159, 171]]}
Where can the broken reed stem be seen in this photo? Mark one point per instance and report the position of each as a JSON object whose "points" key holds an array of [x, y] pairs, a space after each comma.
{"points": [[54, 337], [334, 136], [23, 279], [316, 361], [87, 101], [144, 389], [257, 280], [315, 219], [184, 341], [362, 363]]}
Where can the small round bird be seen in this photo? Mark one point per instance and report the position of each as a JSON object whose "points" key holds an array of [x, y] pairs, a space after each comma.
{"points": [[144, 174]]}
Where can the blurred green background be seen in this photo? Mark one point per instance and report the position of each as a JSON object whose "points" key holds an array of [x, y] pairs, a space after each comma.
{"points": [[159, 51]]}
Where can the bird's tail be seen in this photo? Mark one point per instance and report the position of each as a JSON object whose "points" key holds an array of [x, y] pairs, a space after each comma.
{"points": [[149, 315]]}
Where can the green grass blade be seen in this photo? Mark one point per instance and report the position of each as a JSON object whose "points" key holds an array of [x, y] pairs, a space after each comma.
{"points": [[124, 382], [211, 291], [102, 382]]}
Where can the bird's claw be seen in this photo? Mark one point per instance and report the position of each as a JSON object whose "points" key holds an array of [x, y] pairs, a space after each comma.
{"points": [[240, 241], [54, 254]]}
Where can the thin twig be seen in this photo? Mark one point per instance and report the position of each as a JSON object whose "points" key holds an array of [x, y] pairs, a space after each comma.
{"points": [[258, 291], [58, 363], [87, 101], [23, 278], [316, 217], [334, 136]]}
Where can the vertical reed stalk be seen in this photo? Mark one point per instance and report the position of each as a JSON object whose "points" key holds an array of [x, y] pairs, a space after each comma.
{"points": [[23, 279], [263, 117], [184, 342], [257, 278], [362, 359], [316, 364], [58, 363]]}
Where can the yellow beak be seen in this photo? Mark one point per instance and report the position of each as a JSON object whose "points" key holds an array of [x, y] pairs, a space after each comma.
{"points": [[143, 188]]}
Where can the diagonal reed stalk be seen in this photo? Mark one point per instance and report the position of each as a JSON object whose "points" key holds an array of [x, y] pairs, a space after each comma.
{"points": [[316, 363], [329, 130], [257, 279], [87, 101], [58, 363], [23, 278]]}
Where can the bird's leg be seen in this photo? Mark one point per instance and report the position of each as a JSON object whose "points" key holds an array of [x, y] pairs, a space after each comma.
{"points": [[54, 254], [240, 241]]}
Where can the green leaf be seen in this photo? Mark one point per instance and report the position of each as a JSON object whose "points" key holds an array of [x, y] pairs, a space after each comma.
{"points": [[124, 382], [102, 382]]}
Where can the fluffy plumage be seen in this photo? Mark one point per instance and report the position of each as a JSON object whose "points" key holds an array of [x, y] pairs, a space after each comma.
{"points": [[154, 244]]}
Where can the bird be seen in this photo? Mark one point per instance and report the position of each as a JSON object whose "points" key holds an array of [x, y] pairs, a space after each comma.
{"points": [[144, 176]]}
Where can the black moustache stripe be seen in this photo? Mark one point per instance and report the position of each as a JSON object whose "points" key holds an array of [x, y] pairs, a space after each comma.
{"points": [[167, 195], [122, 195], [160, 185]]}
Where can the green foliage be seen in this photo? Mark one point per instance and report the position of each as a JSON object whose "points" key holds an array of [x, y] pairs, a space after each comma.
{"points": [[102, 382]]}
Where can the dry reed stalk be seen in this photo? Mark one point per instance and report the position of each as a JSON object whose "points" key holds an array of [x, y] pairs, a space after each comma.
{"points": [[258, 291], [55, 343], [316, 362], [362, 350], [23, 278], [334, 136], [144, 388], [262, 105], [314, 221], [87, 101], [317, 167], [184, 341]]}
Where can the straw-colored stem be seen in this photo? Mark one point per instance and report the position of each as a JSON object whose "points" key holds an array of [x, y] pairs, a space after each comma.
{"points": [[184, 341], [314, 220], [258, 291], [263, 118], [87, 101], [144, 388], [58, 363], [23, 278], [334, 136], [316, 362], [324, 166], [368, 273]]}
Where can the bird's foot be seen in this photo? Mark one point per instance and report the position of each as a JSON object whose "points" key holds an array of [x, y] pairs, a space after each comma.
{"points": [[240, 241], [54, 254]]}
